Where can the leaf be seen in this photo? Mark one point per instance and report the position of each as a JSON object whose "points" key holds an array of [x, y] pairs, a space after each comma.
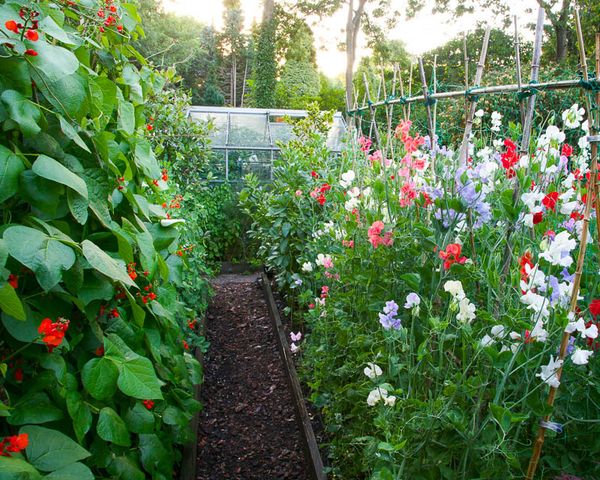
{"points": [[95, 287], [10, 169], [56, 363], [50, 169], [502, 416], [155, 457], [139, 419], [10, 302], [12, 468], [78, 206], [105, 264], [126, 119], [34, 408], [138, 379], [99, 377], [24, 331], [22, 111], [44, 255], [112, 428], [145, 159], [53, 62], [175, 416], [80, 414], [70, 132], [50, 27], [49, 450], [413, 280], [75, 471], [125, 469]]}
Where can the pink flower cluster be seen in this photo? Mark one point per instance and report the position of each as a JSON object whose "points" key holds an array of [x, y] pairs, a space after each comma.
{"points": [[411, 144], [365, 143], [375, 235]]}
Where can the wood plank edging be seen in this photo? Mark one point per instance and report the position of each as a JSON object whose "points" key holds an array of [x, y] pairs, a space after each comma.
{"points": [[311, 448]]}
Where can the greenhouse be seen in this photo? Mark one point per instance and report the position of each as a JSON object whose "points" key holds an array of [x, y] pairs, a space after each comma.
{"points": [[248, 140]]}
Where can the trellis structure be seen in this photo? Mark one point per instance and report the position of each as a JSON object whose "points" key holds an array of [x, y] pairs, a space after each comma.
{"points": [[589, 83]]}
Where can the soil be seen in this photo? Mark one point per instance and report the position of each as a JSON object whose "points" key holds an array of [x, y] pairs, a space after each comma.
{"points": [[248, 427]]}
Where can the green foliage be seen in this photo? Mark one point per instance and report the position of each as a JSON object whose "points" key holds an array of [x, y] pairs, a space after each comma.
{"points": [[265, 66], [93, 324], [299, 85], [331, 94]]}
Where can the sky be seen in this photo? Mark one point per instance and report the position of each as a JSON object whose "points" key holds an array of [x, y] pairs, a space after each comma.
{"points": [[420, 34]]}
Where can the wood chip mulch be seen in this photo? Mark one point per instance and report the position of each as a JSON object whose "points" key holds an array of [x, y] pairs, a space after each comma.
{"points": [[248, 428]]}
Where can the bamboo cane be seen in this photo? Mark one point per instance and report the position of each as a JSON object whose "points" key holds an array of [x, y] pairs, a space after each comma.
{"points": [[597, 128], [373, 126], [404, 113], [410, 81], [539, 441], [518, 65], [426, 96], [466, 62], [464, 148], [535, 70]]}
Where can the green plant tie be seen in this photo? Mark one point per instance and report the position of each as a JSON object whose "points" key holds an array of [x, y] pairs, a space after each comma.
{"points": [[402, 101], [592, 84], [528, 91], [428, 99], [470, 95]]}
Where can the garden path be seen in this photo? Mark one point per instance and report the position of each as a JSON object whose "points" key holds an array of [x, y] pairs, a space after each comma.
{"points": [[247, 428]]}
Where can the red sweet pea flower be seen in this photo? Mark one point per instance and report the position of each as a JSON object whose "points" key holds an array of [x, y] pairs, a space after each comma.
{"points": [[149, 404], [524, 261], [53, 332], [550, 200], [452, 255], [31, 53], [12, 26], [19, 375], [32, 35], [314, 174], [509, 158], [567, 150], [595, 307], [538, 217]]}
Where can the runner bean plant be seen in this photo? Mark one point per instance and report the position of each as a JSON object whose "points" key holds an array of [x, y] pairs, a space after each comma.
{"points": [[96, 376]]}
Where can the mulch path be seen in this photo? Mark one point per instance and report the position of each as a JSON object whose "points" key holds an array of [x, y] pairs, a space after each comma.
{"points": [[248, 428]]}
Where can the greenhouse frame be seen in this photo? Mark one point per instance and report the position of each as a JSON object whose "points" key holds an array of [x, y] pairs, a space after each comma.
{"points": [[245, 140]]}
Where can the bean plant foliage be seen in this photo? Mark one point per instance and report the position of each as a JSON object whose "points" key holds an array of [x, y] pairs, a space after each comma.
{"points": [[95, 376], [431, 301]]}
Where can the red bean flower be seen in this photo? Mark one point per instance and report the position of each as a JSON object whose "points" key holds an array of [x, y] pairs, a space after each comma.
{"points": [[12, 26], [149, 404], [13, 444], [53, 332], [13, 281], [32, 35]]}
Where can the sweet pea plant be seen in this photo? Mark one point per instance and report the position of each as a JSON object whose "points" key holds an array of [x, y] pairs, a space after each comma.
{"points": [[95, 374], [446, 297]]}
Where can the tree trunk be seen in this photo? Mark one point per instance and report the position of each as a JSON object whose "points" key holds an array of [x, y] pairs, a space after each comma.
{"points": [[234, 82], [561, 42], [352, 29], [268, 9], [350, 50]]}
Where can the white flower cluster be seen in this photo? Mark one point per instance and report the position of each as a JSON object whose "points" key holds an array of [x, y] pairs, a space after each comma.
{"points": [[380, 393], [466, 310]]}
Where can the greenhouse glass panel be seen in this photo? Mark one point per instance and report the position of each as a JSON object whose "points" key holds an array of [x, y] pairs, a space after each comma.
{"points": [[218, 135], [248, 130], [243, 162]]}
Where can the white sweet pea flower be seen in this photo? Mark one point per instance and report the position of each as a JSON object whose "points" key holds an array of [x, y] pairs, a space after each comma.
{"points": [[372, 370], [454, 288], [479, 113], [354, 192], [536, 302], [532, 198], [347, 178], [294, 348], [548, 372], [487, 341], [580, 356], [307, 267], [559, 250], [376, 395], [466, 311], [539, 334], [351, 204], [573, 116], [389, 400], [579, 326], [554, 133], [498, 331]]}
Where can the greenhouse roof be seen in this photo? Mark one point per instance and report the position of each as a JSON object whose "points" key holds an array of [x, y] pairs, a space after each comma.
{"points": [[258, 129]]}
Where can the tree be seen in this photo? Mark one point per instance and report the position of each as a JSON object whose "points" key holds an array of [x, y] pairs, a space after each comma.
{"points": [[557, 12], [332, 95], [234, 47], [356, 14], [265, 62]]}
